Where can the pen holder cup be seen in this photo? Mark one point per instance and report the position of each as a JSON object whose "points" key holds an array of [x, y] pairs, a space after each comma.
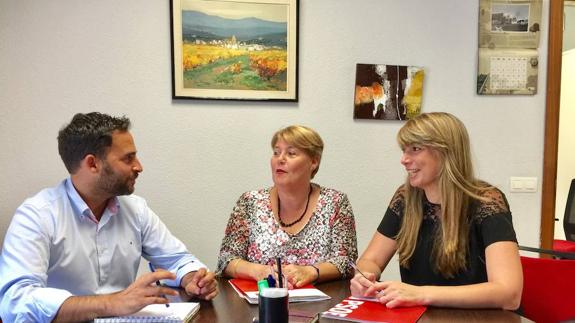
{"points": [[273, 305]]}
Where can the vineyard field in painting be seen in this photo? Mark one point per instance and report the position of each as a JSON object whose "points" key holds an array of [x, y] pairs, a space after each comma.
{"points": [[237, 66]]}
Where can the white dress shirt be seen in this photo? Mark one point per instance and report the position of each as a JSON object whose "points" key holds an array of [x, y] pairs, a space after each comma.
{"points": [[55, 248]]}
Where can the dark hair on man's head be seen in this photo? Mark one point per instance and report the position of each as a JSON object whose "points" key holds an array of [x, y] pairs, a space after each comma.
{"points": [[89, 133]]}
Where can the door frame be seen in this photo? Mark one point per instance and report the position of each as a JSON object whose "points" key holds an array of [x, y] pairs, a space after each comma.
{"points": [[549, 182]]}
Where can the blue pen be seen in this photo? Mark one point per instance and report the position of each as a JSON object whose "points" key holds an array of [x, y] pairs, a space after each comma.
{"points": [[157, 282], [271, 280]]}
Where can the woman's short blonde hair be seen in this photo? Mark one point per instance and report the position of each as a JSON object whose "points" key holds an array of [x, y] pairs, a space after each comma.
{"points": [[304, 138]]}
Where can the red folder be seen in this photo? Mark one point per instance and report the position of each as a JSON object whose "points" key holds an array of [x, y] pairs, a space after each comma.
{"points": [[248, 289], [361, 310], [247, 285]]}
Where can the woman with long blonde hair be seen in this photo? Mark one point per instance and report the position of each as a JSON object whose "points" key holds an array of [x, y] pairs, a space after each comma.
{"points": [[453, 233]]}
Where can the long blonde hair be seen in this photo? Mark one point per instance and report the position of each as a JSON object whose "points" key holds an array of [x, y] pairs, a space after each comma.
{"points": [[447, 137]]}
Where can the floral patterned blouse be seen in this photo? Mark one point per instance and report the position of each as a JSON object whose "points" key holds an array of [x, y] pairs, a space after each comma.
{"points": [[254, 234]]}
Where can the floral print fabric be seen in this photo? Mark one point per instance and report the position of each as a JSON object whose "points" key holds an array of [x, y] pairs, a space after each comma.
{"points": [[254, 234]]}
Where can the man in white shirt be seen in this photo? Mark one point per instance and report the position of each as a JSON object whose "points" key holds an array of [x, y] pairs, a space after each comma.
{"points": [[72, 252]]}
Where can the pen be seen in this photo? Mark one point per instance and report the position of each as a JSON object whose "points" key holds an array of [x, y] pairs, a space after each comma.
{"points": [[270, 278], [352, 264], [262, 284], [359, 271], [280, 276], [157, 282]]}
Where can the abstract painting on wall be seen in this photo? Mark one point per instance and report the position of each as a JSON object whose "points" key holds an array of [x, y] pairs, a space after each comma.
{"points": [[387, 92], [234, 49]]}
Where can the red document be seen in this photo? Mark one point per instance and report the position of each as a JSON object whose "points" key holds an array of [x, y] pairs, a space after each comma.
{"points": [[361, 310]]}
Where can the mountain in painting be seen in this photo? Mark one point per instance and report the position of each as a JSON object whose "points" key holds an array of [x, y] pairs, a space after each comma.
{"points": [[197, 25]]}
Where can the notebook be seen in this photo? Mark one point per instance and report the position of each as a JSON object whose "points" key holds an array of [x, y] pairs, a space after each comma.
{"points": [[248, 289], [368, 311], [177, 312]]}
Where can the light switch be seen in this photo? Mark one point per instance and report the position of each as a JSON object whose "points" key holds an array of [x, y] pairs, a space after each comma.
{"points": [[530, 184], [523, 184], [516, 184]]}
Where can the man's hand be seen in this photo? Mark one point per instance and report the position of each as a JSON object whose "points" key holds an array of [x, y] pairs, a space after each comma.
{"points": [[201, 284], [140, 293]]}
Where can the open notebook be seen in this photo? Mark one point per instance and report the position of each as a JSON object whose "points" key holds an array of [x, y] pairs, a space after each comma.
{"points": [[177, 312]]}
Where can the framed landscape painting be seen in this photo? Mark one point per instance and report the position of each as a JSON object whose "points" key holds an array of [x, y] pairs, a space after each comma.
{"points": [[238, 50]]}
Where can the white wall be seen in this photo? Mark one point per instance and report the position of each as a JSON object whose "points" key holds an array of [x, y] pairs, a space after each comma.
{"points": [[569, 26], [565, 154], [62, 57]]}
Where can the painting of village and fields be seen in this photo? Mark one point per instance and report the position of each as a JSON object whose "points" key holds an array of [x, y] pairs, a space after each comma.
{"points": [[234, 45]]}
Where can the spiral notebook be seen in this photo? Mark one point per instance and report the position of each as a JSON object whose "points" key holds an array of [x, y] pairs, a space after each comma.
{"points": [[177, 312]]}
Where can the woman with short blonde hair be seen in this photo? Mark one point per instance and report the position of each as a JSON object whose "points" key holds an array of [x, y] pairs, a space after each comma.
{"points": [[310, 227], [303, 138]]}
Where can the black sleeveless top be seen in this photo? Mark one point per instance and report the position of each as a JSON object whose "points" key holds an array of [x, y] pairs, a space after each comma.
{"points": [[489, 222]]}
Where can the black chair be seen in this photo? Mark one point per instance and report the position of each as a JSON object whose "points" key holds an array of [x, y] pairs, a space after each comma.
{"points": [[568, 245]]}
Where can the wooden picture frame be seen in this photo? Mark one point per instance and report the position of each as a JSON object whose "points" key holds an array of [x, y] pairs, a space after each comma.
{"points": [[235, 50]]}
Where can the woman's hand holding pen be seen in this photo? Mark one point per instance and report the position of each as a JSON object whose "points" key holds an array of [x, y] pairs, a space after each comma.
{"points": [[361, 283], [140, 293], [391, 293], [201, 284], [398, 294]]}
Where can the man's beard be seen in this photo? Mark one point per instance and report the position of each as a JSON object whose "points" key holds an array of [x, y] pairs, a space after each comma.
{"points": [[113, 184]]}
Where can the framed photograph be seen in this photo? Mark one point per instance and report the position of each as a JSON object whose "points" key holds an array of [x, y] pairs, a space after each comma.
{"points": [[387, 92], [509, 23], [510, 17], [235, 50]]}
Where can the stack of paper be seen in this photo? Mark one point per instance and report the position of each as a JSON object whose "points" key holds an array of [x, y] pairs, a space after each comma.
{"points": [[248, 290]]}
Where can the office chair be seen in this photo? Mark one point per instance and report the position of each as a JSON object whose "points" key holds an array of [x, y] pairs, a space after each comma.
{"points": [[548, 287], [568, 224]]}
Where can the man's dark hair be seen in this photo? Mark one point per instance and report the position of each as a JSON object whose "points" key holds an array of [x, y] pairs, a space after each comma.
{"points": [[89, 133]]}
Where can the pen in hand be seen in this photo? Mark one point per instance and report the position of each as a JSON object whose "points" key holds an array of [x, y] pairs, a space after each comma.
{"points": [[354, 266], [157, 282]]}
